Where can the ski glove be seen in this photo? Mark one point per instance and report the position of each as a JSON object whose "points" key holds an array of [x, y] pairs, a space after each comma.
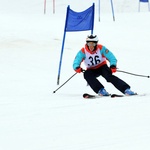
{"points": [[79, 70], [113, 68]]}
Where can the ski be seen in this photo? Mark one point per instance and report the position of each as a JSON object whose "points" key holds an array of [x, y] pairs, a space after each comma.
{"points": [[86, 95], [116, 95], [90, 96]]}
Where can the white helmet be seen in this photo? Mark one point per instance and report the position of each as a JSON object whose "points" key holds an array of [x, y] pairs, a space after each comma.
{"points": [[92, 38]]}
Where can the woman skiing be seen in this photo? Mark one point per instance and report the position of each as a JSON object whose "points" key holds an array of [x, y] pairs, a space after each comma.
{"points": [[95, 57]]}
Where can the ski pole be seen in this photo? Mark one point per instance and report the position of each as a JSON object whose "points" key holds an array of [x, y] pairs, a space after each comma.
{"points": [[64, 83], [133, 74]]}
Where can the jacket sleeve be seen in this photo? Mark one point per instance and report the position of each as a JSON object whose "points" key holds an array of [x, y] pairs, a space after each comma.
{"points": [[109, 56], [78, 59]]}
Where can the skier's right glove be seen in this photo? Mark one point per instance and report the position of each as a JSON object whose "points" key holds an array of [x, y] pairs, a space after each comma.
{"points": [[79, 70]]}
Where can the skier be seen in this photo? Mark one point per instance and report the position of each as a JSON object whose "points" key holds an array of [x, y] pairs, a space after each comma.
{"points": [[95, 57]]}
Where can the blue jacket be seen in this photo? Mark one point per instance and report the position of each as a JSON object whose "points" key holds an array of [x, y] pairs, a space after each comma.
{"points": [[96, 59]]}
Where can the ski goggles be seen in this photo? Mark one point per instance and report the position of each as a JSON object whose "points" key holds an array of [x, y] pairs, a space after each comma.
{"points": [[91, 44]]}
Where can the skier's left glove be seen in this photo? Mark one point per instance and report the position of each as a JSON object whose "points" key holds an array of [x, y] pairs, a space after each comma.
{"points": [[113, 68]]}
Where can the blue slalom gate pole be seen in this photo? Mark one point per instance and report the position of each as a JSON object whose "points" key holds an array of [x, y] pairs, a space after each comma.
{"points": [[99, 10], [76, 21], [61, 55], [62, 49], [112, 10]]}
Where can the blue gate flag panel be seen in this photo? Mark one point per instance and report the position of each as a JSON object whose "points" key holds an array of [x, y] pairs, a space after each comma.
{"points": [[80, 21], [144, 0]]}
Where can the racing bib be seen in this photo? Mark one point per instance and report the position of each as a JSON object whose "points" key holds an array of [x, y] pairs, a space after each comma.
{"points": [[93, 60]]}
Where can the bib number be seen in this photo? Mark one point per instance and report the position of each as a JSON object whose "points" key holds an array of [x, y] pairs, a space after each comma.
{"points": [[94, 60]]}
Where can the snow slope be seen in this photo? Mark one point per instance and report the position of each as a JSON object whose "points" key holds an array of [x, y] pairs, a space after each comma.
{"points": [[32, 117]]}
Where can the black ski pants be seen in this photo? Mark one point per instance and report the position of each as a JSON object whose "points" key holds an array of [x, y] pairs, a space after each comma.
{"points": [[91, 77]]}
